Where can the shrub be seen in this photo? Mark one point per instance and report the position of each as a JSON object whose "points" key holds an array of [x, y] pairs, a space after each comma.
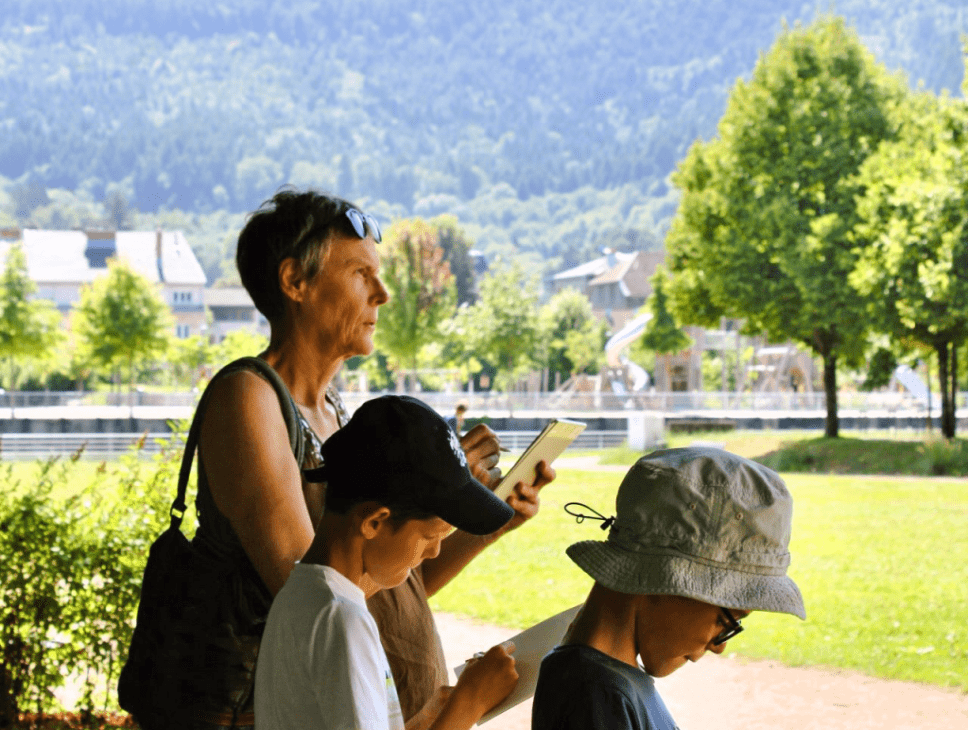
{"points": [[71, 574]]}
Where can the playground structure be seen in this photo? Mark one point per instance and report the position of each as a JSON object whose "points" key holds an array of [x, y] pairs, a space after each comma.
{"points": [[769, 369]]}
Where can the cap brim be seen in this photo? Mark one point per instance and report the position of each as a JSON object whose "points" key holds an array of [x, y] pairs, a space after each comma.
{"points": [[668, 572], [472, 507]]}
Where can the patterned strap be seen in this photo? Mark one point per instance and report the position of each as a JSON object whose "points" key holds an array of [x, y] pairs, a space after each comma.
{"points": [[289, 414]]}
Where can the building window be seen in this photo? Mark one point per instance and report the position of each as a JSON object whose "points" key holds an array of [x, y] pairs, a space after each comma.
{"points": [[183, 331]]}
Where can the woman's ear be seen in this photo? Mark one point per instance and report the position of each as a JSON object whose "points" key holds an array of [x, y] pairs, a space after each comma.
{"points": [[291, 279], [373, 520]]}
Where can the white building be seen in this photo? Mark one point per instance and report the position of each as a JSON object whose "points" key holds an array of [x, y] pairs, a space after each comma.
{"points": [[61, 262]]}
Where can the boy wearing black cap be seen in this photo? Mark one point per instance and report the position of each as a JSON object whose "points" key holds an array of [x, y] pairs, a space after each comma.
{"points": [[397, 484], [698, 542]]}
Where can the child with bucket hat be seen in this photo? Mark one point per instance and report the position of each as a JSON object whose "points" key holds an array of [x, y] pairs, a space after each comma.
{"points": [[397, 484], [698, 542]]}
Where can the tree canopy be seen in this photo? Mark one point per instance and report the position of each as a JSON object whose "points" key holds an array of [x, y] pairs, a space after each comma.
{"points": [[28, 327], [422, 291], [767, 229], [121, 319], [915, 216]]}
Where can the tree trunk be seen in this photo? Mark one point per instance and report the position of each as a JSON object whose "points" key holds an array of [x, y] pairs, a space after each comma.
{"points": [[947, 422], [954, 389], [832, 421]]}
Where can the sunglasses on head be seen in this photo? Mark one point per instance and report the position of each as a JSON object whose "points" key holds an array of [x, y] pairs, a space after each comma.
{"points": [[363, 221]]}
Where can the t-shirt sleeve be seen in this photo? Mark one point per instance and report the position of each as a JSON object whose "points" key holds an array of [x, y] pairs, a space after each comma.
{"points": [[346, 656]]}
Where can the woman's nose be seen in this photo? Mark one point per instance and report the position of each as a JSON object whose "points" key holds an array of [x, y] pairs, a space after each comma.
{"points": [[381, 294]]}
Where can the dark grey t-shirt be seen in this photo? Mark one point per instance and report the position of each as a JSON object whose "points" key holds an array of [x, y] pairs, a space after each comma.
{"points": [[580, 688]]}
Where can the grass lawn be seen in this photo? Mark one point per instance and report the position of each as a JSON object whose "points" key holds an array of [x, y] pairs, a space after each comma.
{"points": [[882, 563]]}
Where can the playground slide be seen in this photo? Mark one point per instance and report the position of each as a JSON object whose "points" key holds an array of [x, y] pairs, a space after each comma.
{"points": [[617, 343]]}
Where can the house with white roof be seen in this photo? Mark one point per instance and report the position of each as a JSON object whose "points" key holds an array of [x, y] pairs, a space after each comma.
{"points": [[617, 284], [61, 262]]}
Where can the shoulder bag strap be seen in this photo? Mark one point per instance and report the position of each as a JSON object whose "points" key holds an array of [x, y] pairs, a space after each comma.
{"points": [[289, 414]]}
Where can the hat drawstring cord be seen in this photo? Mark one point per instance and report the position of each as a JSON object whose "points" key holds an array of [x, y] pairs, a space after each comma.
{"points": [[579, 517]]}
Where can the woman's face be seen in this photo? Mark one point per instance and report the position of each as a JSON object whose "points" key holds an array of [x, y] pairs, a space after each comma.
{"points": [[341, 301], [673, 630]]}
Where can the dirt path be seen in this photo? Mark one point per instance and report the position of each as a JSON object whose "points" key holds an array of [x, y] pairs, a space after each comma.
{"points": [[735, 694]]}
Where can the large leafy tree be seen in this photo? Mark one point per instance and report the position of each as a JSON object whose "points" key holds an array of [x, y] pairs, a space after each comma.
{"points": [[915, 213], [421, 287], [501, 328], [28, 327], [767, 226], [573, 336], [121, 321]]}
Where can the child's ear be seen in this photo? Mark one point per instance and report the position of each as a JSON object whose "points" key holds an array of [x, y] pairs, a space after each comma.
{"points": [[373, 520]]}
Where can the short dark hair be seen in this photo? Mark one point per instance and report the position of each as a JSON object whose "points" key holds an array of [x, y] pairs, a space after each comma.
{"points": [[400, 511], [292, 224]]}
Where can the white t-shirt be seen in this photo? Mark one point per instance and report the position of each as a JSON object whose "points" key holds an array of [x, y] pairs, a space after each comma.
{"points": [[321, 665]]}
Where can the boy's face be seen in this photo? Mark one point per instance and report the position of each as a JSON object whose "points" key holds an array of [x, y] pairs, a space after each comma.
{"points": [[390, 555], [671, 630]]}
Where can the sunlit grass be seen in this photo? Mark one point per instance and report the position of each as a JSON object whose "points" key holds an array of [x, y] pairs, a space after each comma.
{"points": [[882, 563]]}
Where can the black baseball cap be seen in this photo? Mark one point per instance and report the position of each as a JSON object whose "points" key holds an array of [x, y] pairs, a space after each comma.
{"points": [[397, 449]]}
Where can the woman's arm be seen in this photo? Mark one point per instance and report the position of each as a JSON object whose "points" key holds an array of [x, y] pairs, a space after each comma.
{"points": [[254, 479], [461, 548]]}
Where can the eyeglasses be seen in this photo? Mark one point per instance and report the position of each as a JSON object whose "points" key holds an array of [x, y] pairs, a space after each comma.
{"points": [[733, 627], [362, 221]]}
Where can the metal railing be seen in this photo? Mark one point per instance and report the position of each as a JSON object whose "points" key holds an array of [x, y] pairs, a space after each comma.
{"points": [[483, 402], [14, 446], [519, 440], [95, 445], [577, 402]]}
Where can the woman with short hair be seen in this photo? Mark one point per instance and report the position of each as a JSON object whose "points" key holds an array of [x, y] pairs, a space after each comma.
{"points": [[310, 263]]}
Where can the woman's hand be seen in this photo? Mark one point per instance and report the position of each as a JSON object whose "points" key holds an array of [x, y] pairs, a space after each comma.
{"points": [[483, 450], [525, 500]]}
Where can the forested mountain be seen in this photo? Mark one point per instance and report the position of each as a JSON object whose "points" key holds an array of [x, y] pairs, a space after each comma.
{"points": [[547, 128]]}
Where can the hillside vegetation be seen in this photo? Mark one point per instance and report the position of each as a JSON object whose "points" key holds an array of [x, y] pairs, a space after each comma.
{"points": [[548, 130]]}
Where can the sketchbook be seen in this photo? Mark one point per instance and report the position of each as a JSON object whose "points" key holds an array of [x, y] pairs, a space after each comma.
{"points": [[530, 647]]}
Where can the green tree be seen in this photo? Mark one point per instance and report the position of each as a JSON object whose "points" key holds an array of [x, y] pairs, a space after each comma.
{"points": [[574, 338], [767, 225], [421, 288], [915, 213], [188, 357], [236, 344], [28, 327], [501, 328], [456, 246], [662, 334], [121, 320]]}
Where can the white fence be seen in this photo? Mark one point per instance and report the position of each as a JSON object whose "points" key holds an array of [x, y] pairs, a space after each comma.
{"points": [[483, 402], [94, 445], [571, 402], [15, 446]]}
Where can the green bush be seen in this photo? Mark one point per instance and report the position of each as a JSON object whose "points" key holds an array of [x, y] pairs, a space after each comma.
{"points": [[932, 457], [74, 548]]}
